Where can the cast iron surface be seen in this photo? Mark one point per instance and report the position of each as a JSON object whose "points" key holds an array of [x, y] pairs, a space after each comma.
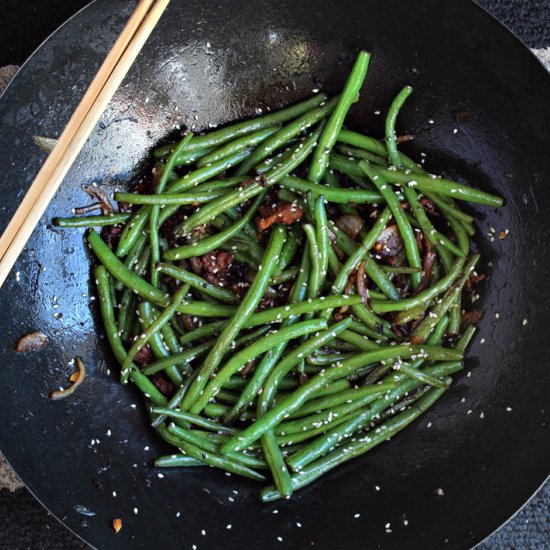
{"points": [[210, 63]]}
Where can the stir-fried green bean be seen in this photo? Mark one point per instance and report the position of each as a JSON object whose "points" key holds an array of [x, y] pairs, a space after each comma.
{"points": [[279, 341]]}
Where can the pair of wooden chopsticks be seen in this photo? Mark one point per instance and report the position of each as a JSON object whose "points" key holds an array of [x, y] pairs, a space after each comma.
{"points": [[93, 104]]}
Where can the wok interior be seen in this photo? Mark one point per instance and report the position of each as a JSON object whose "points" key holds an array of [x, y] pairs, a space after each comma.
{"points": [[198, 71]]}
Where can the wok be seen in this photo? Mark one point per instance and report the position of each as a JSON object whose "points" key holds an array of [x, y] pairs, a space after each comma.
{"points": [[209, 63]]}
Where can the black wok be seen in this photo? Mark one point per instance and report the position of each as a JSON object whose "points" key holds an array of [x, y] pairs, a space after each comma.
{"points": [[212, 62]]}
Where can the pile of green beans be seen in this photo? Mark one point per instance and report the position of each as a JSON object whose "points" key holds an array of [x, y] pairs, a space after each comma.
{"points": [[320, 337]]}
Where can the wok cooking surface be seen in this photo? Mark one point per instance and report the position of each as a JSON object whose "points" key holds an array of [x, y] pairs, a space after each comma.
{"points": [[88, 457]]}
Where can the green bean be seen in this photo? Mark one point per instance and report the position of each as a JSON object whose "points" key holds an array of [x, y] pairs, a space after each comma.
{"points": [[465, 339], [284, 276], [174, 401], [93, 221], [391, 136], [292, 359], [139, 220], [176, 461], [328, 138], [314, 283], [214, 459], [290, 248], [408, 315], [339, 345], [206, 173], [361, 328], [321, 231], [332, 180], [425, 183], [189, 355], [346, 396], [155, 210], [427, 325], [146, 290], [178, 199], [356, 257], [436, 238], [411, 372], [341, 408], [217, 410], [277, 465], [373, 270], [407, 234], [251, 352], [132, 231], [111, 329], [244, 311], [359, 341], [189, 156], [227, 396], [372, 321], [297, 294], [152, 325], [362, 154], [272, 315], [178, 358], [208, 445], [281, 138], [194, 419], [424, 297], [300, 437], [203, 332], [135, 259], [320, 446], [363, 142], [146, 387], [444, 187], [223, 135], [210, 243], [240, 195], [405, 270], [360, 446], [219, 185], [331, 194], [126, 313], [323, 359], [107, 313], [269, 442], [286, 407], [246, 142], [277, 159], [464, 245], [196, 281]]}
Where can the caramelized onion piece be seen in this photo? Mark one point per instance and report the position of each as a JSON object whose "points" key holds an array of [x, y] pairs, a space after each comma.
{"points": [[76, 378], [350, 224], [361, 283], [34, 341]]}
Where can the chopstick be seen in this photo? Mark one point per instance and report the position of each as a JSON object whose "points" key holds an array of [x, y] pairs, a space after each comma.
{"points": [[108, 79]]}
